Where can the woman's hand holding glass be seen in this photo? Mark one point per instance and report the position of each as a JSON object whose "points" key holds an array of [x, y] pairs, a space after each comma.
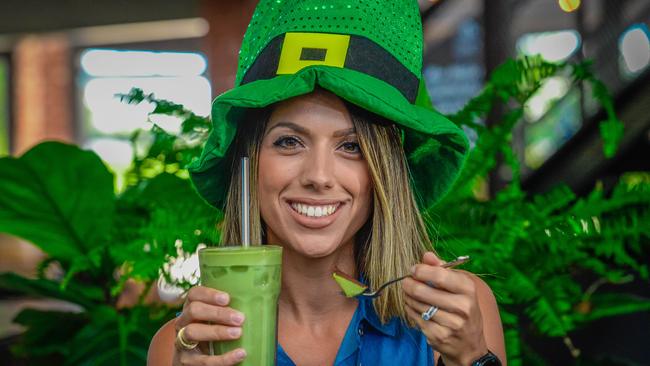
{"points": [[206, 317], [456, 328]]}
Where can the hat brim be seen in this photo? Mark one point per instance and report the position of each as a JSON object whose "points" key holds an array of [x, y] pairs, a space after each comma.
{"points": [[435, 147]]}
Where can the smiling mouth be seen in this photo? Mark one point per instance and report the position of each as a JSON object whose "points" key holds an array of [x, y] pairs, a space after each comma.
{"points": [[314, 210]]}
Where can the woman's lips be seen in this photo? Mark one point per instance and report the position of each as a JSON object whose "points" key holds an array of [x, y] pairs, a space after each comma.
{"points": [[314, 222]]}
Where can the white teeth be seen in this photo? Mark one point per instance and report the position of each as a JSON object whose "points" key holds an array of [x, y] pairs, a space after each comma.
{"points": [[314, 211]]}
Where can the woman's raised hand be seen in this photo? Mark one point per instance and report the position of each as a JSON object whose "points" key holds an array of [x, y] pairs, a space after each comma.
{"points": [[207, 317], [456, 327]]}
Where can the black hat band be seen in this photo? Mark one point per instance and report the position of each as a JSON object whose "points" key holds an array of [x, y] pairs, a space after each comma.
{"points": [[290, 52]]}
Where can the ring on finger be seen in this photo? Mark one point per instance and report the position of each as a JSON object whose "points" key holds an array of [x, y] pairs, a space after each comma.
{"points": [[183, 344], [430, 312]]}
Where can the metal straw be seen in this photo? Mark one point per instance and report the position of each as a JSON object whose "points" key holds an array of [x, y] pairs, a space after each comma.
{"points": [[245, 204]]}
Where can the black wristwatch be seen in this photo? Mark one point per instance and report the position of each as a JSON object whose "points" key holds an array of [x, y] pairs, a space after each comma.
{"points": [[488, 359]]}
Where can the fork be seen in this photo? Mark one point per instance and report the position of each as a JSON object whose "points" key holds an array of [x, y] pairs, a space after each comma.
{"points": [[371, 295]]}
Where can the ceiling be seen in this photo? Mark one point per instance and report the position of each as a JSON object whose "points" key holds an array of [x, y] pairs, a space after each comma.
{"points": [[443, 17], [26, 16]]}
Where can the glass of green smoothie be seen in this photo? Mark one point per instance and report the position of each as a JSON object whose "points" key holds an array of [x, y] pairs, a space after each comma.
{"points": [[251, 276]]}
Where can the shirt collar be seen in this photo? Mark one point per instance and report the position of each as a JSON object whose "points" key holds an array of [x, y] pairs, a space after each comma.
{"points": [[367, 313]]}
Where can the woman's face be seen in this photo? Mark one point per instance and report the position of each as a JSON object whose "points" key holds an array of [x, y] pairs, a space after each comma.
{"points": [[314, 185]]}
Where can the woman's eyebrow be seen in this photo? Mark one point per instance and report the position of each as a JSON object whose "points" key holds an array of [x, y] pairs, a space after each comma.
{"points": [[302, 130], [346, 132], [289, 125]]}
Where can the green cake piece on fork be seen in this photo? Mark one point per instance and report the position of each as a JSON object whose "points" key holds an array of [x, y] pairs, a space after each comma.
{"points": [[349, 285]]}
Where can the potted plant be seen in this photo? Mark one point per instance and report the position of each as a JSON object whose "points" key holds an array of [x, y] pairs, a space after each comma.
{"points": [[62, 199]]}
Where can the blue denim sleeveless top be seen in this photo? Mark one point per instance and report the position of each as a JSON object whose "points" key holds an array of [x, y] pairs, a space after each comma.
{"points": [[368, 342]]}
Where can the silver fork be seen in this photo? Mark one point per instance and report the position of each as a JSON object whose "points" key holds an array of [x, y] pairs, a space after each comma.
{"points": [[371, 295]]}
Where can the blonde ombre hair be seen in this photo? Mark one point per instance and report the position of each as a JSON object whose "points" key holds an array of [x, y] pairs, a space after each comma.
{"points": [[392, 240]]}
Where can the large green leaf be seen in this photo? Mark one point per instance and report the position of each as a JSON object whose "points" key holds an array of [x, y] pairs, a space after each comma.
{"points": [[98, 337], [57, 196], [167, 191], [168, 219], [83, 295], [116, 338], [48, 332]]}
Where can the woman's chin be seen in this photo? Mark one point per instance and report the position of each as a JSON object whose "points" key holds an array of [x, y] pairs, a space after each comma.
{"points": [[314, 247]]}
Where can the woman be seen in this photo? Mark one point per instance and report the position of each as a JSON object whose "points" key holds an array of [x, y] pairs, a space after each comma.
{"points": [[330, 107]]}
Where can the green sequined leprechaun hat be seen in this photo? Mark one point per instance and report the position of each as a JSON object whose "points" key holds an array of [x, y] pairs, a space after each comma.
{"points": [[368, 52]]}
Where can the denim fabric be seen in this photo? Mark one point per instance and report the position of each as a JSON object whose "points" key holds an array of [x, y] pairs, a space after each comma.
{"points": [[368, 342]]}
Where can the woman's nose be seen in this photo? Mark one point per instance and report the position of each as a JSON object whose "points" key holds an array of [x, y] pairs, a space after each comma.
{"points": [[318, 169]]}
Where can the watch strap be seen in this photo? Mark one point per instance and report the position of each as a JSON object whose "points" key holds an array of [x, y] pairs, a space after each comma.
{"points": [[488, 359]]}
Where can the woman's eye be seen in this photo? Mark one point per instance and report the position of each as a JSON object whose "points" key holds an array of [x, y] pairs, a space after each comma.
{"points": [[287, 142], [351, 147]]}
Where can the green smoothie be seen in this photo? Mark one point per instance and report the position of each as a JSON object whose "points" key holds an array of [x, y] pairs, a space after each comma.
{"points": [[251, 276]]}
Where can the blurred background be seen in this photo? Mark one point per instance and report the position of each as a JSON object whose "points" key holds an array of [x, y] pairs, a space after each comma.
{"points": [[63, 61]]}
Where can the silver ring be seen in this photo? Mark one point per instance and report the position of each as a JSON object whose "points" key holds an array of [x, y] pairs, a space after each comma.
{"points": [[427, 315]]}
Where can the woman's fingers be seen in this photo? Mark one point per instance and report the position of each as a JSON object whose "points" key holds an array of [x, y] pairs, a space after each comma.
{"points": [[432, 259], [454, 303], [436, 334], [448, 279], [198, 312], [206, 317], [457, 327], [442, 316], [204, 304], [194, 358], [197, 332], [207, 295]]}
